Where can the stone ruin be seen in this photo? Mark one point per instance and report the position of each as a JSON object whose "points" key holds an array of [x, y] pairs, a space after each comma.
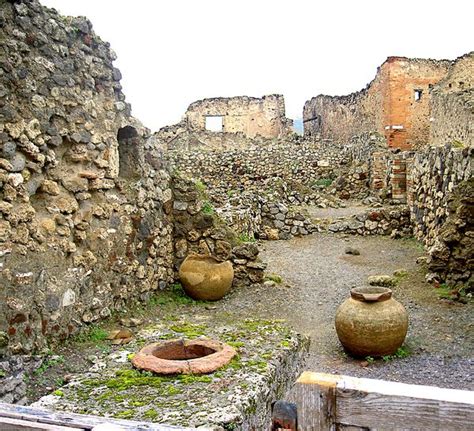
{"points": [[238, 121], [91, 217], [97, 212]]}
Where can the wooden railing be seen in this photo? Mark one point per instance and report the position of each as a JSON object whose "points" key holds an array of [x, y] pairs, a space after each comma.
{"points": [[329, 402], [20, 418]]}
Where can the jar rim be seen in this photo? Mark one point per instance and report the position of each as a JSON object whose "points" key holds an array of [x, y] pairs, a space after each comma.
{"points": [[371, 293]]}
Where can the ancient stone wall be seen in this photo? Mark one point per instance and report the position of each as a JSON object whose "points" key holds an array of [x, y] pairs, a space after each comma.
{"points": [[83, 198], [442, 206], [452, 105], [246, 169], [339, 118], [198, 229], [396, 103], [228, 123], [248, 115], [394, 221]]}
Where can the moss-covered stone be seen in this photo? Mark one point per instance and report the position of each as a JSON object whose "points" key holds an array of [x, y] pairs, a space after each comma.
{"points": [[235, 395]]}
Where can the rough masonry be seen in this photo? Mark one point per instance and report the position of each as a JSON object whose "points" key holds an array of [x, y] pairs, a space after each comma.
{"points": [[85, 203], [395, 104], [228, 123]]}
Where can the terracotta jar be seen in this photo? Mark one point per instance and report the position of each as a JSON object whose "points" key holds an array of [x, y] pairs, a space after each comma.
{"points": [[371, 322], [205, 278]]}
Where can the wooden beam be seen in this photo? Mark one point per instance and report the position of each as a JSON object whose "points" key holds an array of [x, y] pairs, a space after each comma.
{"points": [[367, 403], [316, 401], [9, 424], [76, 422]]}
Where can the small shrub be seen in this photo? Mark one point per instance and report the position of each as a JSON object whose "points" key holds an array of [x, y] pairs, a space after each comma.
{"points": [[274, 277], [243, 237], [48, 363], [325, 182], [207, 208], [402, 352], [200, 186], [445, 291], [94, 334]]}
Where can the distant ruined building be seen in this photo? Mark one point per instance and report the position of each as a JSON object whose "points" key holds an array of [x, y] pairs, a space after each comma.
{"points": [[226, 122], [410, 102]]}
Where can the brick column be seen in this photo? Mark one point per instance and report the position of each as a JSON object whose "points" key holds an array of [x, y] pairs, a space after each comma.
{"points": [[398, 178]]}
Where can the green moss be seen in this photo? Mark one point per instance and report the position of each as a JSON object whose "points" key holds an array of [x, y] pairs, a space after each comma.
{"points": [[192, 378], [236, 344], [174, 296], [150, 414], [262, 326], [200, 187], [58, 393], [285, 343], [458, 144], [189, 330], [126, 379], [261, 365], [125, 414], [325, 182], [235, 363]]}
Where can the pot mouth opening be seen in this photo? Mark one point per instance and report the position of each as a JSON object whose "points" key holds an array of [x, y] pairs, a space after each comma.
{"points": [[199, 356], [179, 352], [371, 293], [208, 258]]}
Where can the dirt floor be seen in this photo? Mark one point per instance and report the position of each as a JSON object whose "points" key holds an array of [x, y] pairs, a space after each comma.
{"points": [[319, 275], [316, 276]]}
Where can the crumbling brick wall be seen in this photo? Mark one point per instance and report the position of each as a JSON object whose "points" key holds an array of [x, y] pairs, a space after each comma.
{"points": [[396, 103]]}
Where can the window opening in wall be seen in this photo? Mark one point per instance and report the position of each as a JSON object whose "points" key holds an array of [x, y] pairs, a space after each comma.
{"points": [[418, 94], [128, 141], [214, 123]]}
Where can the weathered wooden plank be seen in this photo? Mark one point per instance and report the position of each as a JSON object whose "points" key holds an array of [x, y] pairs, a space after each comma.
{"points": [[316, 402], [342, 427], [9, 424], [76, 421], [378, 404]]}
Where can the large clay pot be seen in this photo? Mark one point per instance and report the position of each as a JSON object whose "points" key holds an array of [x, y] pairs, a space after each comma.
{"points": [[371, 322], [205, 278]]}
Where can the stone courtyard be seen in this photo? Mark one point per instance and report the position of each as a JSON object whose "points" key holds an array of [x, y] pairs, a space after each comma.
{"points": [[97, 215]]}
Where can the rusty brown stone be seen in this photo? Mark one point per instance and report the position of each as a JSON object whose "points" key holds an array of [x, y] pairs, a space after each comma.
{"points": [[183, 356]]}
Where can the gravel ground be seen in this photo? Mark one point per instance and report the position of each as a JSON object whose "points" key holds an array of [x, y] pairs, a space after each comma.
{"points": [[317, 276]]}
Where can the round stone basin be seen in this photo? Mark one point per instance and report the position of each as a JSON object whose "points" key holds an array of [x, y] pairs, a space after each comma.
{"points": [[183, 356]]}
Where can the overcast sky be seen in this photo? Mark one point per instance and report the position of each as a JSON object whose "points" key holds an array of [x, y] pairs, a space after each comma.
{"points": [[173, 52]]}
